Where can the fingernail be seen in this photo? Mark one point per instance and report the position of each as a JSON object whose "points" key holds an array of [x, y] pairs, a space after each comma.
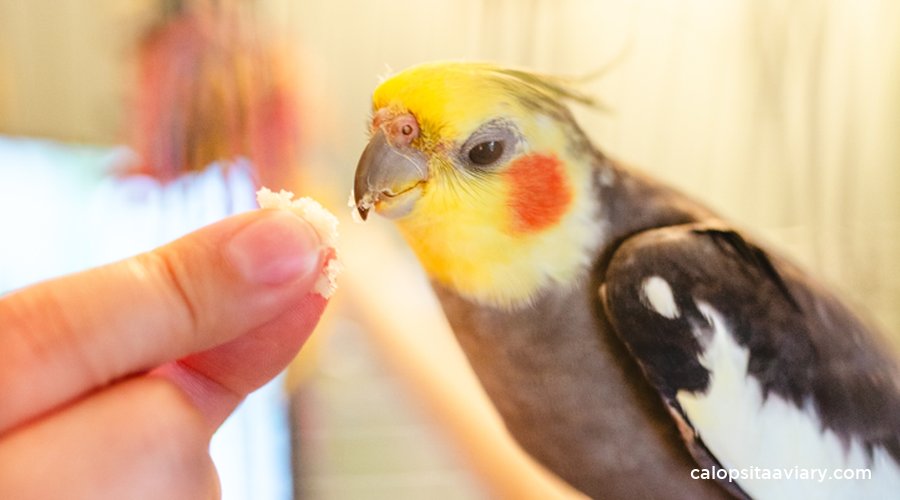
{"points": [[277, 248]]}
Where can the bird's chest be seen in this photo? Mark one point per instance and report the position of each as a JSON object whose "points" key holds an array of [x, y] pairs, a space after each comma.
{"points": [[556, 376], [572, 397]]}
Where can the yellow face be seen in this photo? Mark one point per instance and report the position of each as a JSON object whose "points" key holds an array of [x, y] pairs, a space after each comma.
{"points": [[490, 178]]}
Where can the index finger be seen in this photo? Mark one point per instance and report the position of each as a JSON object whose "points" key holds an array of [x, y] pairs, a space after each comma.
{"points": [[65, 337]]}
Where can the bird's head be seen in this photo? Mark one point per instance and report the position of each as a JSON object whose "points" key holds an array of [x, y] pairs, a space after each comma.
{"points": [[487, 176]]}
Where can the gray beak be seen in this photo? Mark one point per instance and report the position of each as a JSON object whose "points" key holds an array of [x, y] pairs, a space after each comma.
{"points": [[388, 178]]}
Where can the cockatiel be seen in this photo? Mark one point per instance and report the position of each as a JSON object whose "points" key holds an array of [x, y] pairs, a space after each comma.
{"points": [[631, 340]]}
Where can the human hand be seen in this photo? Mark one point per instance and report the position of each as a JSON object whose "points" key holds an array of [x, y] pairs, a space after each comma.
{"points": [[113, 380]]}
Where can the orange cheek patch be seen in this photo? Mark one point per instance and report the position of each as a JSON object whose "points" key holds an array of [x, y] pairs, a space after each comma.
{"points": [[538, 192]]}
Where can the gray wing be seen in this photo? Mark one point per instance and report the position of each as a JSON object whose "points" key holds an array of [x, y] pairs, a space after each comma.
{"points": [[714, 322]]}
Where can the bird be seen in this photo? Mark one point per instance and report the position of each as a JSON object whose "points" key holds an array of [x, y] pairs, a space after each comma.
{"points": [[634, 342]]}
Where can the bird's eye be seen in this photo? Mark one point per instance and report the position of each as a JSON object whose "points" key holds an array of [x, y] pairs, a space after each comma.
{"points": [[486, 152]]}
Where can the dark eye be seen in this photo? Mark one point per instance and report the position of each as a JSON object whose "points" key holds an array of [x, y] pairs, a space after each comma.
{"points": [[486, 152]]}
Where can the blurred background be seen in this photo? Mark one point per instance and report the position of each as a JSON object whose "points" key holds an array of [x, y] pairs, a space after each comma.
{"points": [[142, 119]]}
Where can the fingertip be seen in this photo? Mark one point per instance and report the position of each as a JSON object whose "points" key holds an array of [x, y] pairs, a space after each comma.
{"points": [[275, 248]]}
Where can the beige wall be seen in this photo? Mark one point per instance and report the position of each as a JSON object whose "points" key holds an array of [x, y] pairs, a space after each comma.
{"points": [[62, 67], [785, 115]]}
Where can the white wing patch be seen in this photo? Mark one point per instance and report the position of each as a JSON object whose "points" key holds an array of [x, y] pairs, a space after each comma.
{"points": [[752, 435], [657, 294]]}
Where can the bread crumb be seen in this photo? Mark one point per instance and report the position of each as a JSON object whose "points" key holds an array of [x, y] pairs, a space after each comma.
{"points": [[354, 211], [325, 223], [327, 286]]}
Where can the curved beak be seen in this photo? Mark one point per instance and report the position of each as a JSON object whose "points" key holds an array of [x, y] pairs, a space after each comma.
{"points": [[388, 178]]}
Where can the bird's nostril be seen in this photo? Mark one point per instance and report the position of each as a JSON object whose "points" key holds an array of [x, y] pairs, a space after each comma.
{"points": [[402, 130]]}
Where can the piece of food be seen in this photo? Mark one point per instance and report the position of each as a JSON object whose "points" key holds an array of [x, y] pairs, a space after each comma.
{"points": [[325, 223]]}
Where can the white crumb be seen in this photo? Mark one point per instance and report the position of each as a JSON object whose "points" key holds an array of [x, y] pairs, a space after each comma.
{"points": [[325, 223], [354, 211], [326, 287]]}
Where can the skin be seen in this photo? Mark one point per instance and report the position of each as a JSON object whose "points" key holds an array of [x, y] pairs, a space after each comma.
{"points": [[113, 380]]}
